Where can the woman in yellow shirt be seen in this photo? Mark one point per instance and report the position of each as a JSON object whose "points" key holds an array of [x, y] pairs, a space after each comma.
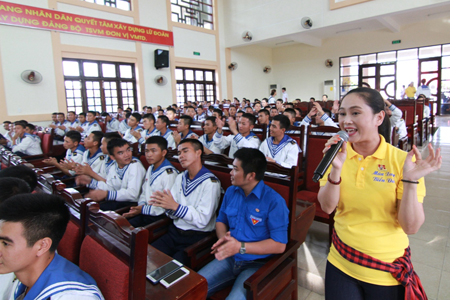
{"points": [[377, 191]]}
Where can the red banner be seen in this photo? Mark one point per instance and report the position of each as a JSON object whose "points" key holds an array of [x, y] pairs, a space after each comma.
{"points": [[34, 17]]}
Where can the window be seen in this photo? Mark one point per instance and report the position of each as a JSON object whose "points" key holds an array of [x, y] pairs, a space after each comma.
{"points": [[99, 85], [195, 85], [121, 4], [193, 12]]}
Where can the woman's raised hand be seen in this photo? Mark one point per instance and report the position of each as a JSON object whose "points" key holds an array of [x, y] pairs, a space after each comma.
{"points": [[421, 167]]}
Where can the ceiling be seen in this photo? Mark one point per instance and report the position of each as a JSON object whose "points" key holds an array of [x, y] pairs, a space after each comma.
{"points": [[392, 22]]}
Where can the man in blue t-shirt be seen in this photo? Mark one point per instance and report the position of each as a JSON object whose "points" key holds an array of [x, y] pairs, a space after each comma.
{"points": [[31, 226], [251, 226]]}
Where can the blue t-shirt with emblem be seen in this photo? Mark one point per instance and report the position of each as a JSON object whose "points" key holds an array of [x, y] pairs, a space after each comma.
{"points": [[261, 215]]}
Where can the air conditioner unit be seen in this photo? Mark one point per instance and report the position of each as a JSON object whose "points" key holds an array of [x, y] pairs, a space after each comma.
{"points": [[329, 88], [273, 87]]}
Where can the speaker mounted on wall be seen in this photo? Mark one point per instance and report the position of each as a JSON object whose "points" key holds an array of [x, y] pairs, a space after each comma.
{"points": [[161, 59]]}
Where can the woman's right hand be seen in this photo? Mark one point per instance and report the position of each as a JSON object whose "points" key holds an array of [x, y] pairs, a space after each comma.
{"points": [[339, 160]]}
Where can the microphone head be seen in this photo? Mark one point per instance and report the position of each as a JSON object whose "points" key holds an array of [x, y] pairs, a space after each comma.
{"points": [[343, 135]]}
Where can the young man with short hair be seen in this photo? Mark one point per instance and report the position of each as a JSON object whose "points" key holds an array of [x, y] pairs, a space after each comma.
{"points": [[74, 154], [160, 177], [54, 120], [106, 163], [92, 124], [207, 139], [171, 114], [273, 112], [148, 122], [31, 227], [123, 126], [322, 117], [200, 116], [133, 134], [112, 125], [279, 105], [241, 137], [22, 172], [284, 95], [251, 226], [184, 129], [63, 124], [83, 124], [123, 181], [24, 144], [191, 202], [190, 111], [279, 147], [93, 155], [161, 125], [73, 122], [264, 119]]}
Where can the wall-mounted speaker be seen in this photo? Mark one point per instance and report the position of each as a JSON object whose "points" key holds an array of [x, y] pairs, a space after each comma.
{"points": [[161, 59]]}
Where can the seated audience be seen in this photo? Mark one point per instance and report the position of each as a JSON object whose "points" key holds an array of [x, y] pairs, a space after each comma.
{"points": [[123, 181], [241, 137], [112, 125], [207, 139], [133, 134], [123, 126], [184, 130], [191, 203], [162, 124], [106, 163], [31, 227], [74, 154], [279, 147], [24, 144], [322, 117], [160, 177], [93, 155], [148, 122], [395, 118], [201, 115], [251, 226]]}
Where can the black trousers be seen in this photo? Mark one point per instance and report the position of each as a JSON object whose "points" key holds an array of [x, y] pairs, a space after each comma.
{"points": [[113, 205], [175, 241], [143, 220]]}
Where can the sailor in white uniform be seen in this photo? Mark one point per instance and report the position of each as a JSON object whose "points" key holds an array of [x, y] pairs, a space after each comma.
{"points": [[184, 129], [93, 155], [279, 147], [133, 122], [23, 143], [207, 139], [244, 138], [112, 125], [63, 126], [395, 118], [192, 203], [73, 122], [160, 176], [92, 124], [124, 180], [123, 126], [161, 125], [148, 122]]}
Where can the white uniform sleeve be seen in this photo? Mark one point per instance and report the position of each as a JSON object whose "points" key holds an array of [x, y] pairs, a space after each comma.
{"points": [[291, 157], [242, 142], [129, 191], [24, 145], [60, 132], [306, 121], [75, 295], [200, 214], [221, 141], [396, 115], [328, 121], [171, 142], [167, 180]]}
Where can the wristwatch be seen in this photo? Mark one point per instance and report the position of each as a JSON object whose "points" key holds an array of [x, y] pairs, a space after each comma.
{"points": [[242, 250]]}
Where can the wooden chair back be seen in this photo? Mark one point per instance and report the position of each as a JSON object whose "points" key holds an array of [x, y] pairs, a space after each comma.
{"points": [[114, 254]]}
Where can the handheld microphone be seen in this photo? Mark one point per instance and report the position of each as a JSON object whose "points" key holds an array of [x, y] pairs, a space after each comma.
{"points": [[329, 156]]}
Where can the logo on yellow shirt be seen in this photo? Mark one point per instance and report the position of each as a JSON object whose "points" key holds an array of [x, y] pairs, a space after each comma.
{"points": [[381, 167]]}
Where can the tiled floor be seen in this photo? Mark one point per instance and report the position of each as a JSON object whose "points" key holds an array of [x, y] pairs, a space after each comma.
{"points": [[430, 246]]}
